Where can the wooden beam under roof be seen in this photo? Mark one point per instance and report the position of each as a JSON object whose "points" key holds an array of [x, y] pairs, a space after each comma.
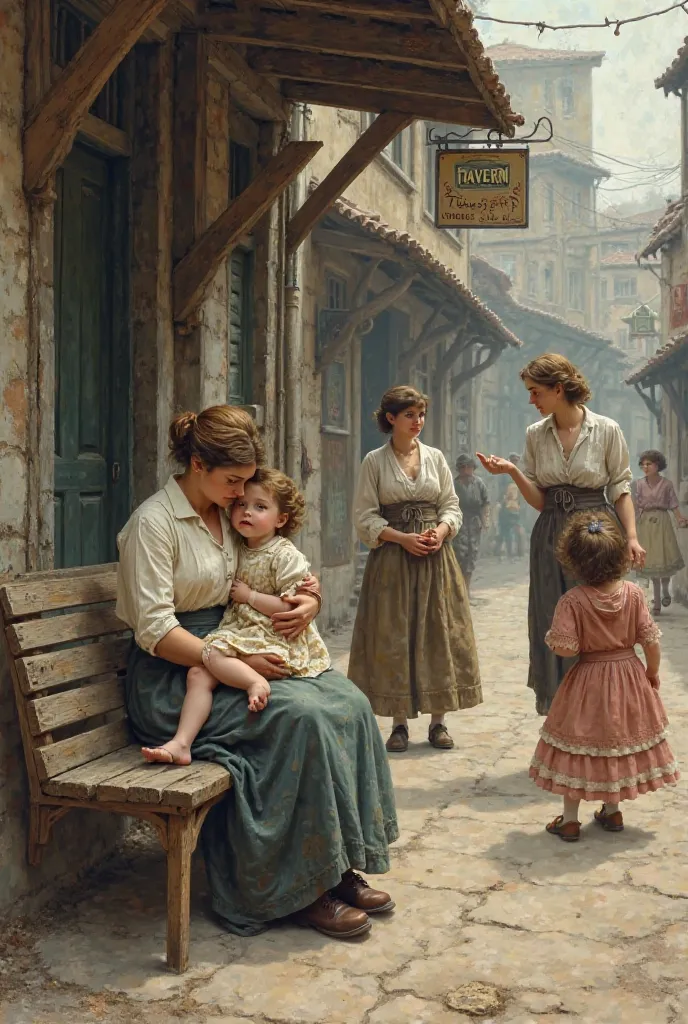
{"points": [[195, 272], [329, 69], [251, 91], [53, 127], [427, 108], [326, 33], [365, 148], [386, 10]]}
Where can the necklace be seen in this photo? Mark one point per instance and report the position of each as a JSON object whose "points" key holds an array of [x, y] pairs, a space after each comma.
{"points": [[405, 455]]}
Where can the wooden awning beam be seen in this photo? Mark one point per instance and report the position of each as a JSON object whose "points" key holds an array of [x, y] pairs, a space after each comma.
{"points": [[51, 132], [194, 273], [330, 69], [432, 333], [345, 241], [459, 379], [320, 32], [366, 148], [418, 107], [251, 91], [386, 10]]}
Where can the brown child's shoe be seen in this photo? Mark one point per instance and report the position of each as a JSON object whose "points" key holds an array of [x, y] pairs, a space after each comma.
{"points": [[569, 832], [334, 918], [439, 737], [355, 891], [609, 822], [398, 739]]}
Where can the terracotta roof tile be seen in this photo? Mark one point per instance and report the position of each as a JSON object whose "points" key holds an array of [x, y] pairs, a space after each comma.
{"points": [[677, 72], [662, 355], [667, 228], [620, 259], [516, 53], [559, 154], [403, 245]]}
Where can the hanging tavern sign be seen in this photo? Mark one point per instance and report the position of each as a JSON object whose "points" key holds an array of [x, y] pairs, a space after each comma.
{"points": [[482, 188]]}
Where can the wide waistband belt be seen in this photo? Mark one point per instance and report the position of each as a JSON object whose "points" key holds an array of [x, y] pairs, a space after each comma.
{"points": [[571, 499], [621, 654], [410, 513]]}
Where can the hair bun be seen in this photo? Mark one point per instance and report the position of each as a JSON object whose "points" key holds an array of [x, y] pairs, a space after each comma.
{"points": [[181, 429]]}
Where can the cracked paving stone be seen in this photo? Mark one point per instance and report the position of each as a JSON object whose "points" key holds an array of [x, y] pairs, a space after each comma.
{"points": [[410, 1010], [509, 959], [667, 874], [621, 1008], [602, 914], [539, 1002], [442, 869], [291, 992]]}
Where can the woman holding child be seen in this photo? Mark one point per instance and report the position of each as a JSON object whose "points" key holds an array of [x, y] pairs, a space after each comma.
{"points": [[312, 796]]}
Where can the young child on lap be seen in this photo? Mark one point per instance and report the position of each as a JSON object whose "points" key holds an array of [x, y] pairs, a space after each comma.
{"points": [[270, 568]]}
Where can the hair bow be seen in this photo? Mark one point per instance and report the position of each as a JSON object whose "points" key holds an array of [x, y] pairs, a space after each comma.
{"points": [[595, 526]]}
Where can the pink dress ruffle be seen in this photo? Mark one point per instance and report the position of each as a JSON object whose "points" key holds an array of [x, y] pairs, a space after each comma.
{"points": [[605, 735]]}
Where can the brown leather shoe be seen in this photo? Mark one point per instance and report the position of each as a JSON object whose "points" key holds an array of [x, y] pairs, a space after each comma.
{"points": [[334, 918], [355, 891], [398, 739], [609, 822], [569, 832], [439, 737]]}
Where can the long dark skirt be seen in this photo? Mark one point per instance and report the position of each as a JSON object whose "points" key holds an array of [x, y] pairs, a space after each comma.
{"points": [[413, 650], [312, 794], [548, 583]]}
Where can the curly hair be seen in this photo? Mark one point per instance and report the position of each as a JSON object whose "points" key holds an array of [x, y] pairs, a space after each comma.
{"points": [[592, 548], [652, 455], [551, 369], [221, 435], [396, 400], [286, 494]]}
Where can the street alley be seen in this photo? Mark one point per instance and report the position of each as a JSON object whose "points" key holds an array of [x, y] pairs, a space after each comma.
{"points": [[495, 920]]}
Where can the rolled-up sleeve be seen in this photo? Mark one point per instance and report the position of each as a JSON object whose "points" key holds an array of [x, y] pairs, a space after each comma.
{"points": [[367, 519], [448, 507], [145, 596], [618, 464], [527, 466]]}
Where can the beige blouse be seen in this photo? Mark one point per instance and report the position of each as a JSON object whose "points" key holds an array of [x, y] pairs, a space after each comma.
{"points": [[170, 562], [382, 481], [599, 457]]}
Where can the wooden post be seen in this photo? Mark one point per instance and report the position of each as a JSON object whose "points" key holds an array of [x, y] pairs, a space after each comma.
{"points": [[181, 840], [197, 269], [52, 130], [366, 148], [189, 159]]}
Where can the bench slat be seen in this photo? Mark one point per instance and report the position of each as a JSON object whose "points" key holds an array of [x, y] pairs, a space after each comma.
{"points": [[207, 781], [39, 671], [81, 783], [143, 784], [33, 596], [60, 629], [59, 757], [48, 713]]}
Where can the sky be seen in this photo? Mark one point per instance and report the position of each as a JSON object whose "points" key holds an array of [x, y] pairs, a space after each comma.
{"points": [[633, 121]]}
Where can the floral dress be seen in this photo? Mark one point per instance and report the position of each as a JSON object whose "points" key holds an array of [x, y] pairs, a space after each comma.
{"points": [[605, 735], [277, 568]]}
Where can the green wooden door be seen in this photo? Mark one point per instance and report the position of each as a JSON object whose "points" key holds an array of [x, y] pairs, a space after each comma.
{"points": [[92, 380], [240, 303]]}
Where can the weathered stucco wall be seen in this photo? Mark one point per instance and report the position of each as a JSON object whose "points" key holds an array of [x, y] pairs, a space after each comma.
{"points": [[79, 840], [674, 441]]}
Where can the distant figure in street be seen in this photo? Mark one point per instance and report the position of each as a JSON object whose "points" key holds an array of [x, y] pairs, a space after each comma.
{"points": [[510, 529], [475, 506], [412, 650], [604, 737], [574, 459], [654, 497]]}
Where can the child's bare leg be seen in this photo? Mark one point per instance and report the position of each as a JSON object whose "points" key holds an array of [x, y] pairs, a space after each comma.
{"points": [[235, 673], [196, 708], [570, 810], [657, 595]]}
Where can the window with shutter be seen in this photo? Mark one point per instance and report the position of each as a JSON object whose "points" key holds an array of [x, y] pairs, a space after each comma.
{"points": [[240, 304]]}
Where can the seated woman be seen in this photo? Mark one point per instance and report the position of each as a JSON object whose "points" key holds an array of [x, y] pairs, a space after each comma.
{"points": [[312, 796]]}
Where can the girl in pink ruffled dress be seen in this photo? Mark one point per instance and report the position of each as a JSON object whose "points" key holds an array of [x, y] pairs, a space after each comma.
{"points": [[605, 735]]}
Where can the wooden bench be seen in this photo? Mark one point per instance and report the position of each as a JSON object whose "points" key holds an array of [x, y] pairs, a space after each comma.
{"points": [[67, 652]]}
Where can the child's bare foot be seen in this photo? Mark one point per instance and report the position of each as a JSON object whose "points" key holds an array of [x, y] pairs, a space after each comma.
{"points": [[172, 752], [258, 694]]}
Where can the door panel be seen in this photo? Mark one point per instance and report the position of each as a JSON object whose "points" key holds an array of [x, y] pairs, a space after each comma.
{"points": [[90, 407]]}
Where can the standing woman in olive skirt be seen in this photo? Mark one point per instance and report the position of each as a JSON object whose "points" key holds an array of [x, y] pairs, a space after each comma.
{"points": [[413, 650], [574, 459]]}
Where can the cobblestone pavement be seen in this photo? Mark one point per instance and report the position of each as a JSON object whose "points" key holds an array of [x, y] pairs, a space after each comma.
{"points": [[495, 920]]}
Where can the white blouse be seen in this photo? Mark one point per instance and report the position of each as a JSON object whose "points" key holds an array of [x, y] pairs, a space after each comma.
{"points": [[599, 457], [382, 481], [170, 562]]}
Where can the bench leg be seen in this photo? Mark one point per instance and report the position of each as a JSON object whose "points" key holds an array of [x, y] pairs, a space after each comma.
{"points": [[41, 820], [181, 840]]}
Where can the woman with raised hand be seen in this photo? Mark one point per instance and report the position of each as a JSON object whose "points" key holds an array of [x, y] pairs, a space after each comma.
{"points": [[574, 460]]}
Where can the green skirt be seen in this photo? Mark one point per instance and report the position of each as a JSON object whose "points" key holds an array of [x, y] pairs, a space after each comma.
{"points": [[312, 793]]}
